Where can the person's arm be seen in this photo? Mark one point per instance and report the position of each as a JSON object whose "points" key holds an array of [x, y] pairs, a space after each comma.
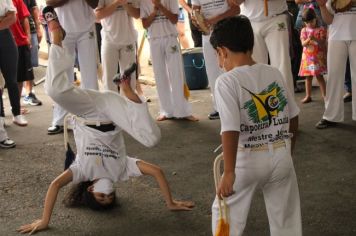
{"points": [[8, 20], [25, 23], [51, 197], [230, 140], [293, 128], [304, 39], [56, 3], [131, 10], [173, 18], [107, 10], [35, 13], [157, 173], [325, 14], [302, 1], [233, 11], [185, 5], [235, 2], [147, 22]]}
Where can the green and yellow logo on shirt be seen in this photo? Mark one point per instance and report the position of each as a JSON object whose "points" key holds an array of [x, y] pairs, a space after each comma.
{"points": [[265, 105]]}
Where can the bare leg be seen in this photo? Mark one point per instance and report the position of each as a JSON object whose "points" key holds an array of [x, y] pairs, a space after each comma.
{"points": [[181, 34], [308, 88], [322, 85]]}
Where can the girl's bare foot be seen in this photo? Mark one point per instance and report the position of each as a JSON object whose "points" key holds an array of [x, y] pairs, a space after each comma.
{"points": [[162, 118], [181, 205], [189, 118], [306, 100]]}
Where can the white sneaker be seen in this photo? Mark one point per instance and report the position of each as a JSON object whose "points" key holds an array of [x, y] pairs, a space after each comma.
{"points": [[7, 143], [20, 120]]}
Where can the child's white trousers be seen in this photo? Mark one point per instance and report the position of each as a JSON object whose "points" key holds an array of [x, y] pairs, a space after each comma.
{"points": [[274, 174], [272, 39], [338, 51], [169, 76]]}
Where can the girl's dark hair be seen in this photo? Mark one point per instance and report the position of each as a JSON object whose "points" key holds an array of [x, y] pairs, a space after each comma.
{"points": [[234, 33], [308, 15], [78, 195]]}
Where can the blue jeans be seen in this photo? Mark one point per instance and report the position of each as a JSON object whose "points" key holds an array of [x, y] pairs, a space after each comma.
{"points": [[34, 50]]}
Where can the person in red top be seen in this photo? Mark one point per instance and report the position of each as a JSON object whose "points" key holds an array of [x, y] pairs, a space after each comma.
{"points": [[21, 32]]}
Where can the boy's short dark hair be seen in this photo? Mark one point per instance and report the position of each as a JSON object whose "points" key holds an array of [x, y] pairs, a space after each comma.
{"points": [[308, 15], [234, 33]]}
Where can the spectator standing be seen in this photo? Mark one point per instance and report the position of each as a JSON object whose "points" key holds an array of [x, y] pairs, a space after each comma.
{"points": [[9, 59], [77, 19], [341, 45]]}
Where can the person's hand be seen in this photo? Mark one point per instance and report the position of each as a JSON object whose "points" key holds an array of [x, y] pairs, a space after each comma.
{"points": [[232, 3], [121, 2], [29, 43], [225, 188], [156, 3], [321, 3], [37, 225], [181, 205], [39, 35]]}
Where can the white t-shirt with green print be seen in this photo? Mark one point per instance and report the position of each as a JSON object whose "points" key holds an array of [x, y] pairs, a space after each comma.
{"points": [[254, 101]]}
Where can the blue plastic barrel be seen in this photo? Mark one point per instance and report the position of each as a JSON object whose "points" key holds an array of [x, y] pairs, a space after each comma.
{"points": [[194, 67]]}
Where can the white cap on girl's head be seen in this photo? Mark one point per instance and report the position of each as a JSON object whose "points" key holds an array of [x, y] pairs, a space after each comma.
{"points": [[103, 185]]}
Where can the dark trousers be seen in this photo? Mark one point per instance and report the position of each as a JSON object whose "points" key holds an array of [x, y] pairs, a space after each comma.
{"points": [[348, 77], [8, 67]]}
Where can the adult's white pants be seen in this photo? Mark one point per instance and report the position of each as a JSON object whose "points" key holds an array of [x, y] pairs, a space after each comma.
{"points": [[272, 40], [274, 174], [113, 55], [213, 70], [3, 133], [338, 51], [168, 71], [85, 44]]}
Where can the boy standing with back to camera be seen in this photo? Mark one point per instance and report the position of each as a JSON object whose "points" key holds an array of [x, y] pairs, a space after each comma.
{"points": [[259, 121]]}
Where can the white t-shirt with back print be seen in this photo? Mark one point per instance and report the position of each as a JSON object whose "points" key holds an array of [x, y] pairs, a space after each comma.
{"points": [[254, 101], [254, 9], [343, 25], [211, 8], [6, 6], [118, 28], [161, 26]]}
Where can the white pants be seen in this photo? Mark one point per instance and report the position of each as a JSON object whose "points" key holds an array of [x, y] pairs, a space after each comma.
{"points": [[84, 42], [338, 51], [273, 172], [169, 76], [112, 55], [3, 133], [213, 70], [272, 39]]}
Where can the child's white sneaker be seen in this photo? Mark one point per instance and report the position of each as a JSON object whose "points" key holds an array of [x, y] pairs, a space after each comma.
{"points": [[19, 120]]}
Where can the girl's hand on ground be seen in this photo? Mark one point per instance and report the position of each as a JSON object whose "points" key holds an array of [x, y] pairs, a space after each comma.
{"points": [[37, 225], [181, 205]]}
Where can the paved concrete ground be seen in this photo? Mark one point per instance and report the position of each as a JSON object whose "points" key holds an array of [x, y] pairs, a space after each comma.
{"points": [[324, 161]]}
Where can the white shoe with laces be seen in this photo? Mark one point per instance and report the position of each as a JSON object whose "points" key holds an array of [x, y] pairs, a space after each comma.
{"points": [[7, 143], [20, 120]]}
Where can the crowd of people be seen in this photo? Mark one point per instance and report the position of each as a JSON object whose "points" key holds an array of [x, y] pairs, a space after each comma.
{"points": [[299, 39]]}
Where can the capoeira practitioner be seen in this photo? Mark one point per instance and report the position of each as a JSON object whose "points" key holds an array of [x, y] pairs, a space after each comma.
{"points": [[213, 11], [77, 18], [258, 115], [160, 18], [341, 44], [101, 156], [119, 37], [270, 27]]}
